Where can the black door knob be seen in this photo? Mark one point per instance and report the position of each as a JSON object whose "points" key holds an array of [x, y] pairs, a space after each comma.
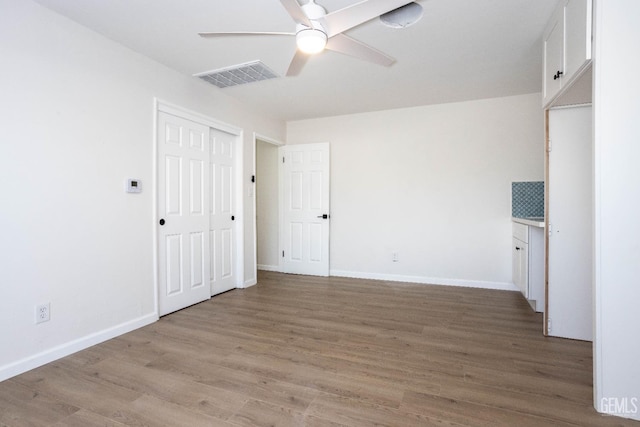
{"points": [[233, 218], [161, 221]]}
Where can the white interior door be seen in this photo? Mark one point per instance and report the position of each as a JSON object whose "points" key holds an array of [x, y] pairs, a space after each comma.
{"points": [[305, 208], [222, 211], [267, 210], [183, 188], [571, 226]]}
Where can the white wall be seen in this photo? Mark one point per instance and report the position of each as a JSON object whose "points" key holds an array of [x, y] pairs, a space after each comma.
{"points": [[617, 202], [432, 183], [77, 120], [267, 205]]}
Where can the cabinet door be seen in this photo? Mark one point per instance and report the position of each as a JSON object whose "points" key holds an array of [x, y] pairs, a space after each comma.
{"points": [[553, 59], [577, 35], [520, 266], [515, 263], [536, 267], [524, 270]]}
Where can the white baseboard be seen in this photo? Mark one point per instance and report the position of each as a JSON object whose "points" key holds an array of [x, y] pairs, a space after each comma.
{"points": [[62, 350], [250, 282], [269, 267], [503, 286]]}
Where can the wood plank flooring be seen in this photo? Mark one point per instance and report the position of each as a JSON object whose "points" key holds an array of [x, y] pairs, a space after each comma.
{"points": [[309, 351]]}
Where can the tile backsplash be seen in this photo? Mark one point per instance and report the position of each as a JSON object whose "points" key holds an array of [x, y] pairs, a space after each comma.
{"points": [[527, 199]]}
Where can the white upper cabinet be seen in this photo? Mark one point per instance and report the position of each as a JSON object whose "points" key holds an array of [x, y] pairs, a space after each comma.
{"points": [[577, 36], [553, 59], [567, 47]]}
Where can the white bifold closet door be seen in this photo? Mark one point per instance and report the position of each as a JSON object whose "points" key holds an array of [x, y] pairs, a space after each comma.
{"points": [[183, 201]]}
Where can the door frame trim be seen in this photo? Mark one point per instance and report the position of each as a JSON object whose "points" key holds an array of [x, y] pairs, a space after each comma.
{"points": [[159, 106]]}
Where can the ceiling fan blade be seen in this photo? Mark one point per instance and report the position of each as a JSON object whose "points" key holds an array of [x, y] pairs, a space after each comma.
{"points": [[243, 33], [296, 12], [345, 44], [298, 61], [359, 13]]}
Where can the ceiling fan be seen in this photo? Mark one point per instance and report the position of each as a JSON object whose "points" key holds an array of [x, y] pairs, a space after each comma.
{"points": [[317, 30]]}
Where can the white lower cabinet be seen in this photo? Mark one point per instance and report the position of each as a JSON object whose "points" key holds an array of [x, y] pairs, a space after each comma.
{"points": [[528, 263], [521, 265]]}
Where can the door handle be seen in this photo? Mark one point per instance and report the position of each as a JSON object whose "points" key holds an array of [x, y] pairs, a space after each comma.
{"points": [[323, 216], [233, 218], [161, 221]]}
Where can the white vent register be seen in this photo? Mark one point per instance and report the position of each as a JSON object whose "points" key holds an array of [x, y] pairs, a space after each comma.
{"points": [[238, 74]]}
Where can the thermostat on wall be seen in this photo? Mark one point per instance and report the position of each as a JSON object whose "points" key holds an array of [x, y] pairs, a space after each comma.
{"points": [[134, 186]]}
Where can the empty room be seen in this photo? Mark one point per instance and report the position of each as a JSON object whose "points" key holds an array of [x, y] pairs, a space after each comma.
{"points": [[319, 213]]}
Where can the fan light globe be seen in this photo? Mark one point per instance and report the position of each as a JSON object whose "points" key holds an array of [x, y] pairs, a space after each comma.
{"points": [[311, 40]]}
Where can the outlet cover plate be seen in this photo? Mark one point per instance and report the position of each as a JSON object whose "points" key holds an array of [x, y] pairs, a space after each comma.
{"points": [[43, 312]]}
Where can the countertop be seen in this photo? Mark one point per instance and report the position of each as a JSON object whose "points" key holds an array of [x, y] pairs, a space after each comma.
{"points": [[532, 221]]}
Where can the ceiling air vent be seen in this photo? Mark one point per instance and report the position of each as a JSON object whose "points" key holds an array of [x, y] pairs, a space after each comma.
{"points": [[238, 74]]}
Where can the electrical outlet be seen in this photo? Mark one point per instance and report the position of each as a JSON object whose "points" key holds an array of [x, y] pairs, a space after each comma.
{"points": [[395, 257], [43, 312]]}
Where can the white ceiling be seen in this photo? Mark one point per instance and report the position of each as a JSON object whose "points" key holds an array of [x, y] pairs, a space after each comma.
{"points": [[460, 50]]}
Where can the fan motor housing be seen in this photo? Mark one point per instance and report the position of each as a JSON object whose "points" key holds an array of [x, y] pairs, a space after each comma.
{"points": [[313, 10]]}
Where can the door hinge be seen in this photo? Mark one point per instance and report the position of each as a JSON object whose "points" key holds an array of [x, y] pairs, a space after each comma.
{"points": [[282, 159], [549, 325], [549, 229], [282, 254], [549, 147]]}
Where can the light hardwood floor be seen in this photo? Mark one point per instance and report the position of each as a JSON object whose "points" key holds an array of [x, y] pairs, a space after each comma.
{"points": [[309, 351]]}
